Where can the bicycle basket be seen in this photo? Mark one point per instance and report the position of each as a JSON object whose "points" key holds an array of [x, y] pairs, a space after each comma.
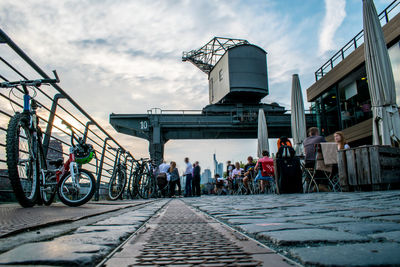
{"points": [[83, 153]]}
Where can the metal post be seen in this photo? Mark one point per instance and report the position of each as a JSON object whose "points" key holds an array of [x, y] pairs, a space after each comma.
{"points": [[103, 152], [386, 16], [355, 43], [87, 130], [128, 191], [46, 140]]}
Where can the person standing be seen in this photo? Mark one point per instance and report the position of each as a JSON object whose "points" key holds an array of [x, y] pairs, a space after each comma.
{"points": [[188, 174], [174, 178], [196, 180]]}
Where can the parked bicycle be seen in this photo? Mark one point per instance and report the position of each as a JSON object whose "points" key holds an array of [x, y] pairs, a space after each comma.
{"points": [[26, 163], [147, 185], [75, 186], [117, 183]]}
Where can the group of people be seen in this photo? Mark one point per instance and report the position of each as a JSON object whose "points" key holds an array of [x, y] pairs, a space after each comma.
{"points": [[168, 179], [263, 169]]}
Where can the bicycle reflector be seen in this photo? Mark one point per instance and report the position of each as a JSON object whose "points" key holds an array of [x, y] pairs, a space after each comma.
{"points": [[83, 153]]}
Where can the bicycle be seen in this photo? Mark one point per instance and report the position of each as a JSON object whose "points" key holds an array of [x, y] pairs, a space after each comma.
{"points": [[117, 183], [75, 186], [23, 143], [27, 167], [147, 185]]}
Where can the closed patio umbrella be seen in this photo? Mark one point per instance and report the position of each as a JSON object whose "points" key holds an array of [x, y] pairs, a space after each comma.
{"points": [[262, 133], [298, 117], [386, 120]]}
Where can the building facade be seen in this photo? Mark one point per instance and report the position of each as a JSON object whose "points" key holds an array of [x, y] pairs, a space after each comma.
{"points": [[340, 96]]}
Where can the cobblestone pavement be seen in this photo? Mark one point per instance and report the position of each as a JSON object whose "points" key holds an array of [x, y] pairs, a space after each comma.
{"points": [[14, 218], [83, 242], [181, 236], [328, 229]]}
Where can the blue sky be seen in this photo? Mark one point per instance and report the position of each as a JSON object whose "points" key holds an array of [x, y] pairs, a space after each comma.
{"points": [[125, 56]]}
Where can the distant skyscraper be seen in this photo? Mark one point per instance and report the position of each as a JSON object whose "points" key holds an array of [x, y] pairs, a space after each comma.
{"points": [[215, 164], [206, 176], [220, 169]]}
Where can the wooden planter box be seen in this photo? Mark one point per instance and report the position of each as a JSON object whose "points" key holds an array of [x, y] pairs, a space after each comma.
{"points": [[374, 167]]}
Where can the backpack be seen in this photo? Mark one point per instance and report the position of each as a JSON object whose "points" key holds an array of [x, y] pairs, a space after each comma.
{"points": [[285, 152], [284, 141]]}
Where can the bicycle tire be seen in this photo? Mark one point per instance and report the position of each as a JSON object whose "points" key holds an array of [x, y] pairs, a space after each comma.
{"points": [[144, 185], [62, 187], [116, 185], [26, 189], [133, 188]]}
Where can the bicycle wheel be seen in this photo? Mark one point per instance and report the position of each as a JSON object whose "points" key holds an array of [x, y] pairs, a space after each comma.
{"points": [[133, 187], [78, 192], [116, 185], [144, 187], [22, 163]]}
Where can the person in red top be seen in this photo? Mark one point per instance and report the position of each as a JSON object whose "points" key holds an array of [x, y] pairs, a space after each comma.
{"points": [[265, 166]]}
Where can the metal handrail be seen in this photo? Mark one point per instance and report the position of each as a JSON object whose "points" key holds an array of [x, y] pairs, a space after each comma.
{"points": [[99, 139], [353, 44]]}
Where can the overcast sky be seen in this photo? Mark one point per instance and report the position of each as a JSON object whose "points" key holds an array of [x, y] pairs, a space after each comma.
{"points": [[124, 56]]}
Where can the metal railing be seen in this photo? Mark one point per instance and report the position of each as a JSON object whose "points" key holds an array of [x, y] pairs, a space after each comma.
{"points": [[385, 16], [56, 106]]}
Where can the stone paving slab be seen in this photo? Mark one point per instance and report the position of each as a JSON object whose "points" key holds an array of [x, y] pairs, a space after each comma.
{"points": [[14, 218], [368, 254], [270, 226], [390, 236], [305, 236], [365, 227]]}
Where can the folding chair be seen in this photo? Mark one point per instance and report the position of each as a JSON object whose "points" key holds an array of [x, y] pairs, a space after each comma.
{"points": [[320, 171], [240, 188]]}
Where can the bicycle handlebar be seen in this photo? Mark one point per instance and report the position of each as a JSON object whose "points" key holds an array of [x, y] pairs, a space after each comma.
{"points": [[37, 82]]}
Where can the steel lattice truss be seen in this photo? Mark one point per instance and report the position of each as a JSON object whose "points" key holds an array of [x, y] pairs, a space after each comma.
{"points": [[207, 56]]}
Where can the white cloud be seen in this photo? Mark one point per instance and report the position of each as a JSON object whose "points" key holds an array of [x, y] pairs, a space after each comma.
{"points": [[124, 56], [335, 12]]}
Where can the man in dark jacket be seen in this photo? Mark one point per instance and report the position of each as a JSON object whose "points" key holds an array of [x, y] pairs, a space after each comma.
{"points": [[196, 179], [309, 143]]}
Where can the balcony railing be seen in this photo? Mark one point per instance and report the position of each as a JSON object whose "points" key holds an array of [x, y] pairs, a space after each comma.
{"points": [[385, 16]]}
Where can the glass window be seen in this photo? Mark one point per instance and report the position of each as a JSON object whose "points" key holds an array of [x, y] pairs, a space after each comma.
{"points": [[221, 75], [329, 112], [354, 99]]}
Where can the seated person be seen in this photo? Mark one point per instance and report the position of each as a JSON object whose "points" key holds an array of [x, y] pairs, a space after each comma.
{"points": [[265, 165], [236, 174], [219, 184], [163, 177], [340, 141], [248, 173], [309, 146]]}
